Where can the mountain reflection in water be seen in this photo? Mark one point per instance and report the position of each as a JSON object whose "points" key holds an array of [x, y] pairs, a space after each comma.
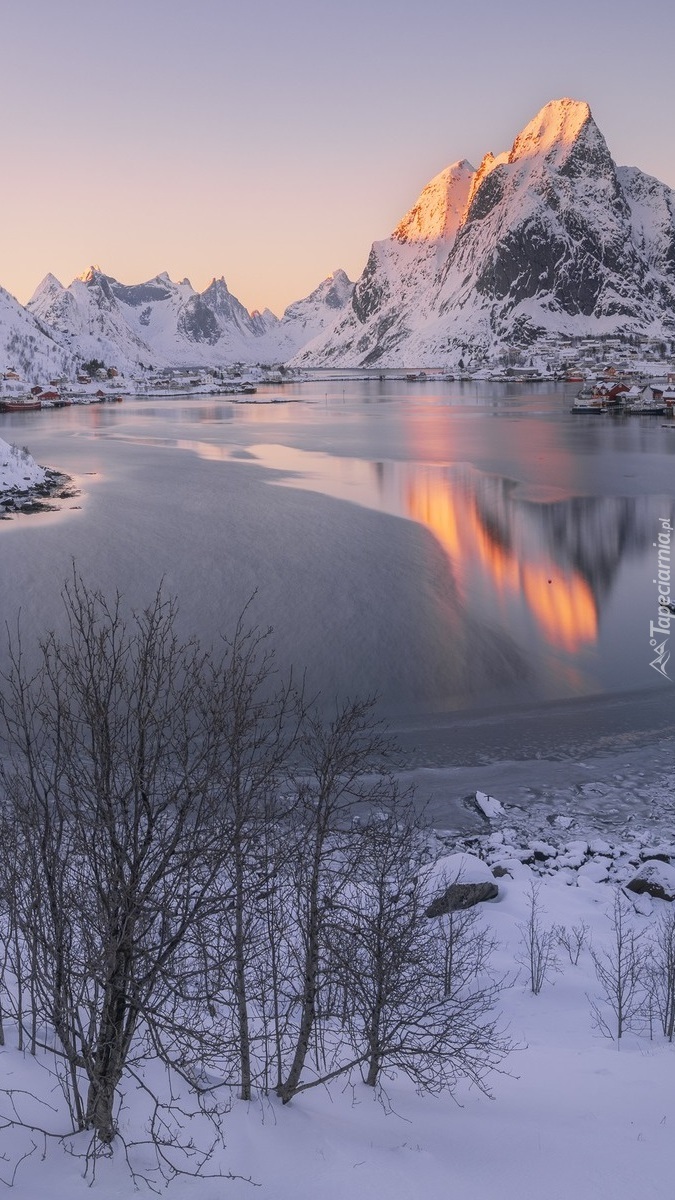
{"points": [[537, 573]]}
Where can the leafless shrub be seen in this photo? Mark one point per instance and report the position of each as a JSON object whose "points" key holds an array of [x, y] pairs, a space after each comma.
{"points": [[661, 971], [538, 943], [572, 940]]}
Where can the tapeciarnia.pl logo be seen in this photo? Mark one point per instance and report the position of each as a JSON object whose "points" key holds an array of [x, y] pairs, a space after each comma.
{"points": [[659, 630]]}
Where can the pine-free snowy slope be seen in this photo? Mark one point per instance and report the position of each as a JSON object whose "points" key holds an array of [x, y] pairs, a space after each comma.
{"points": [[29, 347]]}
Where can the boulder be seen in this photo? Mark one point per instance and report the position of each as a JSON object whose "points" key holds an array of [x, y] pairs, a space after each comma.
{"points": [[458, 881], [595, 872], [655, 878], [461, 895]]}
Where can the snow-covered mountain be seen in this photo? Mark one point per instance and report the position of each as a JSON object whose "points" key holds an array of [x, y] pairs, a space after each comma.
{"points": [[306, 319], [162, 323], [28, 347], [549, 237]]}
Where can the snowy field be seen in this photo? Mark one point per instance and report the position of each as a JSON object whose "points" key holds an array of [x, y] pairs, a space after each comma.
{"points": [[572, 1113]]}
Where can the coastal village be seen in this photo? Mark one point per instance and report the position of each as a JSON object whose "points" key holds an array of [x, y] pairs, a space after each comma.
{"points": [[635, 374]]}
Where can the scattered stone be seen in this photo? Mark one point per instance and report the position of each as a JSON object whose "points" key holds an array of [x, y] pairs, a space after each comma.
{"points": [[641, 903], [655, 878], [565, 875], [576, 848], [461, 895], [599, 846], [459, 881], [543, 850], [512, 867], [661, 853], [524, 856]]}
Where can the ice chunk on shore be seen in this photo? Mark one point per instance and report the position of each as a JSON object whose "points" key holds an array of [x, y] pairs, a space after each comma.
{"points": [[490, 807]]}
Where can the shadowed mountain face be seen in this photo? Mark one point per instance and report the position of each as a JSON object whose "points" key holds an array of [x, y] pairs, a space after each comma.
{"points": [[548, 237]]}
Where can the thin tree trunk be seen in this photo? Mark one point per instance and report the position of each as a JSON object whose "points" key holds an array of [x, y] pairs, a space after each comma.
{"points": [[240, 985], [311, 972]]}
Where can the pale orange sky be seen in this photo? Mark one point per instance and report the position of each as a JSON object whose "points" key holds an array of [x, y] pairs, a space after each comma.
{"points": [[273, 143]]}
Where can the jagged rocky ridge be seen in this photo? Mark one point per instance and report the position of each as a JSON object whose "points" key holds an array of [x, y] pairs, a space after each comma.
{"points": [[549, 237], [162, 323]]}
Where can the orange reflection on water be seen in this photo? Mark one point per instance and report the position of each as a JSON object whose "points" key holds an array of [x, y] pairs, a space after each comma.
{"points": [[558, 597], [562, 603], [497, 559], [431, 502]]}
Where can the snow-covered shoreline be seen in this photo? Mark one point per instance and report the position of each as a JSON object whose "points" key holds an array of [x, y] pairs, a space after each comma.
{"points": [[18, 469], [24, 484]]}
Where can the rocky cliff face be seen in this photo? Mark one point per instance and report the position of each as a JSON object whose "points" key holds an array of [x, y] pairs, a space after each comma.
{"points": [[551, 236]]}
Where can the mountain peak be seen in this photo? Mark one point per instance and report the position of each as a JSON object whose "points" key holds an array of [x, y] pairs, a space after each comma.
{"points": [[50, 285], [558, 124], [89, 275], [436, 215]]}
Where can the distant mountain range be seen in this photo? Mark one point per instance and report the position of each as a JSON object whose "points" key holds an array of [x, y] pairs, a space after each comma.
{"points": [[550, 237], [161, 323]]}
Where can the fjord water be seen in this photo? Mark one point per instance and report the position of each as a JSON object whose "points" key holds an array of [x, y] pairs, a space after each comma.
{"points": [[451, 547]]}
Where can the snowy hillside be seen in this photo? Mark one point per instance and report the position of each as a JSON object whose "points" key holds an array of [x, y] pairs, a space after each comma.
{"points": [[552, 237], [28, 347], [570, 1115], [18, 469], [306, 319]]}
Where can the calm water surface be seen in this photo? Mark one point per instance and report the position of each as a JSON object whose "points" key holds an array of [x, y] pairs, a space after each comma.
{"points": [[451, 547]]}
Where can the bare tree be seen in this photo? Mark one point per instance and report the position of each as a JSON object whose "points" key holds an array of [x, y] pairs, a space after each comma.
{"points": [[621, 973], [421, 996], [112, 784], [661, 971], [342, 767], [538, 945], [260, 718], [572, 940], [376, 937], [184, 881]]}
